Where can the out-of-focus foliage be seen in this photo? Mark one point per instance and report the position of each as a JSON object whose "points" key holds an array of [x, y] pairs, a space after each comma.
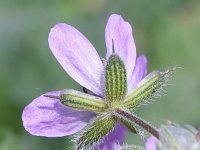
{"points": [[167, 31]]}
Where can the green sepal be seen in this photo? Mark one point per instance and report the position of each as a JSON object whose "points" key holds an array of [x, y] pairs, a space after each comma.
{"points": [[129, 125], [116, 85], [94, 132], [147, 88], [79, 100]]}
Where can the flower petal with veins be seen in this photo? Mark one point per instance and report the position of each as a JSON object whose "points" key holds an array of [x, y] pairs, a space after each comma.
{"points": [[48, 117], [139, 72], [120, 32], [77, 56]]}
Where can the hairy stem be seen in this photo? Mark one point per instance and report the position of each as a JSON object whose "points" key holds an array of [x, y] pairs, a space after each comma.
{"points": [[136, 120]]}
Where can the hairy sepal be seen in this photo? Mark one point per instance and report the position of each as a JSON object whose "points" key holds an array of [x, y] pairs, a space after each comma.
{"points": [[129, 125], [116, 85], [79, 100], [148, 88], [93, 134]]}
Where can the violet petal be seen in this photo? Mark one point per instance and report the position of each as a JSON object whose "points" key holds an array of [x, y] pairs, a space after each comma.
{"points": [[120, 32], [77, 56], [117, 136], [48, 117], [139, 72], [151, 143]]}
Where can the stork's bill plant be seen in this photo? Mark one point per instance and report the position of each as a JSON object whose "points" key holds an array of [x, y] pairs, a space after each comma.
{"points": [[118, 85]]}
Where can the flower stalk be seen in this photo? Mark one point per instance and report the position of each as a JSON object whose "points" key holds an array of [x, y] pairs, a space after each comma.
{"points": [[130, 117]]}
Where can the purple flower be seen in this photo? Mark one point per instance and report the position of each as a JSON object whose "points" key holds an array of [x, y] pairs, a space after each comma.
{"points": [[48, 117], [151, 143]]}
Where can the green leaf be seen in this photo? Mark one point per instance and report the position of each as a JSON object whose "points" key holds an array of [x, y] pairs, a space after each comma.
{"points": [[93, 134], [150, 86], [115, 79]]}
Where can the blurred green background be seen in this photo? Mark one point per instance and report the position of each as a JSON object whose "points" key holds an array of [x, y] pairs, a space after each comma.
{"points": [[166, 31]]}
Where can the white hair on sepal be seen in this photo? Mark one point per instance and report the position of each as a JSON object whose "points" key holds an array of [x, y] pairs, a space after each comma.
{"points": [[143, 134], [79, 134], [164, 81], [71, 143], [104, 61], [92, 144], [145, 103], [125, 146]]}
